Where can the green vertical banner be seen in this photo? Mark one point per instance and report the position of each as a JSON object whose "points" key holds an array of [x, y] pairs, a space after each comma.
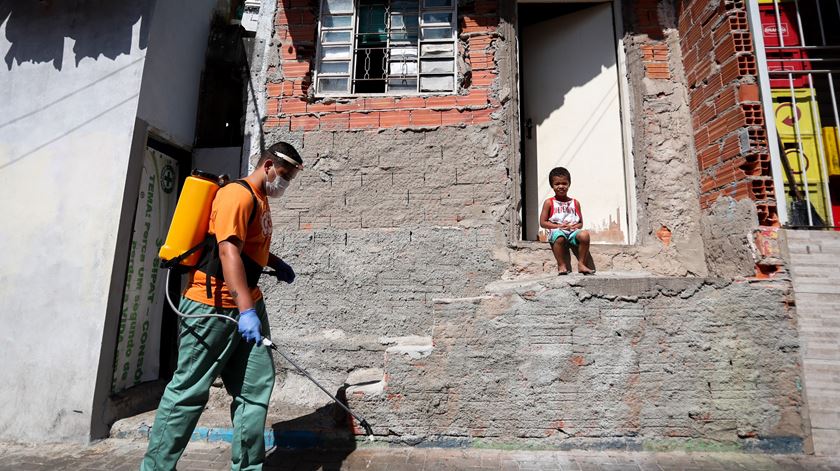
{"points": [[137, 357]]}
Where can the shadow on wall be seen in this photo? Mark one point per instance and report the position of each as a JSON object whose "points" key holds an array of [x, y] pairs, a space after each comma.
{"points": [[37, 29], [539, 18]]}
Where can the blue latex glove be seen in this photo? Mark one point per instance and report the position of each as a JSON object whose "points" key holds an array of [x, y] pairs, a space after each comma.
{"points": [[284, 272], [249, 325]]}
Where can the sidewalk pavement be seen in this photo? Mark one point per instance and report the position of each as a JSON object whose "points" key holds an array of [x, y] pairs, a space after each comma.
{"points": [[117, 455]]}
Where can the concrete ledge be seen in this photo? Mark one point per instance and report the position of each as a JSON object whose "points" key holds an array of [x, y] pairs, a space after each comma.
{"points": [[343, 440]]}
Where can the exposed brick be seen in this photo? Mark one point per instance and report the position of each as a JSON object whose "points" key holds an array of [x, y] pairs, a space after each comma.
{"points": [[272, 106], [275, 123], [441, 102], [456, 117], [703, 115], [658, 71], [302, 32], [708, 157], [292, 105], [380, 103], [320, 107], [364, 120], [767, 214], [748, 92], [482, 78], [304, 123], [756, 164], [335, 121], [757, 137], [752, 114], [352, 105], [734, 118], [718, 128], [288, 88], [725, 100], [395, 119], [476, 97], [410, 102], [288, 52], [274, 89], [725, 49], [425, 118], [483, 116], [701, 138], [295, 69], [731, 148], [763, 189]]}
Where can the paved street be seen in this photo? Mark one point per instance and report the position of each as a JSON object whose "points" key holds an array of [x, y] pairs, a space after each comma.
{"points": [[116, 454]]}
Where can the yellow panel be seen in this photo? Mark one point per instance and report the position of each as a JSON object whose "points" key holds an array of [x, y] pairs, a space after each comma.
{"points": [[832, 155], [816, 188], [782, 110]]}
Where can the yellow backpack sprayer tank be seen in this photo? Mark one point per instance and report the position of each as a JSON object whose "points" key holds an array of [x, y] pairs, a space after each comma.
{"points": [[191, 219]]}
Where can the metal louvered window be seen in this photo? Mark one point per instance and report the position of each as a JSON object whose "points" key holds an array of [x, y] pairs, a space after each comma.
{"points": [[386, 47]]}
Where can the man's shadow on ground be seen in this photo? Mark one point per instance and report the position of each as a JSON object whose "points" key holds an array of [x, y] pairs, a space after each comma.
{"points": [[320, 440]]}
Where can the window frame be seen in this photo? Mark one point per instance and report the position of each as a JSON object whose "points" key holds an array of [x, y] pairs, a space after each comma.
{"points": [[353, 28]]}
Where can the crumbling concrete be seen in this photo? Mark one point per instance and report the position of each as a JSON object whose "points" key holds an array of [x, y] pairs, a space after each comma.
{"points": [[727, 232], [609, 362], [665, 168]]}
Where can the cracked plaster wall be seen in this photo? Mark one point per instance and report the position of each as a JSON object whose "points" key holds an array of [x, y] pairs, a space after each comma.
{"points": [[611, 363]]}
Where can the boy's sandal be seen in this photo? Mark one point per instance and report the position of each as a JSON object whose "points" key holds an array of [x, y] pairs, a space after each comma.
{"points": [[563, 273], [587, 273]]}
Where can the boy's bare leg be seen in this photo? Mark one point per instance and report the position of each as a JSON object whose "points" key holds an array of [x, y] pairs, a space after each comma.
{"points": [[583, 251], [557, 250]]}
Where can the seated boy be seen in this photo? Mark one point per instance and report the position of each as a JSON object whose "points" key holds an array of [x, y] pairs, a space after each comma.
{"points": [[562, 217]]}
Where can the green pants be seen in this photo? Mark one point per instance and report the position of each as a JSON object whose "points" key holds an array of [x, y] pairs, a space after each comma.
{"points": [[208, 348]]}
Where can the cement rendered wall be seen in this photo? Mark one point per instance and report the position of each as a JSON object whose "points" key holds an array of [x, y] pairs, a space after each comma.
{"points": [[410, 274], [598, 363], [69, 91]]}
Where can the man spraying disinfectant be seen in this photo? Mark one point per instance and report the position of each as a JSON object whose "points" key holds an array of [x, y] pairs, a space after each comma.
{"points": [[223, 282]]}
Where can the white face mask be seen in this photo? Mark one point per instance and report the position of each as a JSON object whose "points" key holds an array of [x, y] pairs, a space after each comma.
{"points": [[276, 188]]}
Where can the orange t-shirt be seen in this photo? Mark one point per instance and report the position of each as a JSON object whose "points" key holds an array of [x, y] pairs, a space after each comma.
{"points": [[229, 218]]}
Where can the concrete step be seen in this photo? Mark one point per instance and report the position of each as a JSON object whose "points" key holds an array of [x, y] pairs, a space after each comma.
{"points": [[292, 427]]}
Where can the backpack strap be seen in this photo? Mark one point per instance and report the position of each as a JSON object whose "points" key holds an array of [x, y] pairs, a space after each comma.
{"points": [[210, 262], [253, 199]]}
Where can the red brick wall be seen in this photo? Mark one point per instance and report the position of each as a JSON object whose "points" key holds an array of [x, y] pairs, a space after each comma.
{"points": [[291, 106], [728, 121]]}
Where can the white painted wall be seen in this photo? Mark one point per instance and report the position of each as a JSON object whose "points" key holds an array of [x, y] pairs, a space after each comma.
{"points": [[177, 47], [65, 135]]}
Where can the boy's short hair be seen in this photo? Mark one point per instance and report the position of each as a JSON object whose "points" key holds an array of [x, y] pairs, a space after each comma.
{"points": [[559, 172], [283, 148]]}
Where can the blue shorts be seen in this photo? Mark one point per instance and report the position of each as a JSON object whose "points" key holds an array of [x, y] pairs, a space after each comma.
{"points": [[570, 236]]}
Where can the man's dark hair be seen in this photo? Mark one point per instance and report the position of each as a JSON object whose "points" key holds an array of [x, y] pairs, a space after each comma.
{"points": [[283, 148], [559, 172]]}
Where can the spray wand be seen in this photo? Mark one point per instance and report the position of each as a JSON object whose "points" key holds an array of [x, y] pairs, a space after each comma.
{"points": [[269, 344]]}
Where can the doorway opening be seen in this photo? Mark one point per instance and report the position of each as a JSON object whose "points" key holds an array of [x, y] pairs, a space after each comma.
{"points": [[571, 114]]}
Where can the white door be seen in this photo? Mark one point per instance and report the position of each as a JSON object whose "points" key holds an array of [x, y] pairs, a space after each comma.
{"points": [[572, 119]]}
